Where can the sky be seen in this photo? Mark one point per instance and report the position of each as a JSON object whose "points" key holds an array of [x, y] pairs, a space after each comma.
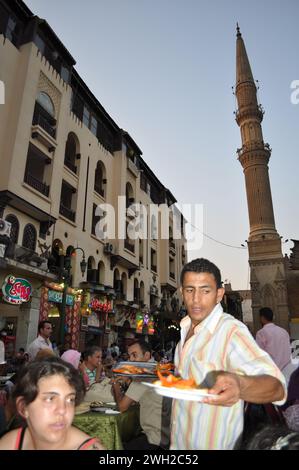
{"points": [[164, 71]]}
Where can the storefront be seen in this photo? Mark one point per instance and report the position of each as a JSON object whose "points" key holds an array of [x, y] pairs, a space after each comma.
{"points": [[15, 302], [97, 319], [51, 307]]}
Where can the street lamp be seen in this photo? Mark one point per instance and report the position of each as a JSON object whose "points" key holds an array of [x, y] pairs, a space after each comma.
{"points": [[66, 271]]}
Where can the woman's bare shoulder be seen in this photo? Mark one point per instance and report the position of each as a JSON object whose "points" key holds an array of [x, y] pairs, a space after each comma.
{"points": [[8, 441], [79, 437]]}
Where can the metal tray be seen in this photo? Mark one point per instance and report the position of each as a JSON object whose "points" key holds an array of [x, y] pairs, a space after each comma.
{"points": [[148, 365]]}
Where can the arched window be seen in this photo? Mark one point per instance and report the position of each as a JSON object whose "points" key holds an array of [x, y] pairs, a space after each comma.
{"points": [[71, 152], [136, 292], [129, 195], [142, 292], [45, 101], [92, 273], [154, 228], [29, 237], [14, 231], [101, 272], [99, 179]]}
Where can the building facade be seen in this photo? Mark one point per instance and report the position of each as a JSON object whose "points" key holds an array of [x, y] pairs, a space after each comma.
{"points": [[63, 158]]}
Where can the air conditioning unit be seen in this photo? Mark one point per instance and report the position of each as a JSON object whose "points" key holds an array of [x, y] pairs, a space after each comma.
{"points": [[5, 227], [108, 248]]}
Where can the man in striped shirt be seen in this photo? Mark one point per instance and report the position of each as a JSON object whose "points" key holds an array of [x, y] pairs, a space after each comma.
{"points": [[220, 354]]}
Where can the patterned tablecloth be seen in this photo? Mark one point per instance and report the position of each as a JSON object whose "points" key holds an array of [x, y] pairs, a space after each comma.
{"points": [[112, 430]]}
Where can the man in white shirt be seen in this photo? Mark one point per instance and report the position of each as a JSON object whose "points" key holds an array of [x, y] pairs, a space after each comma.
{"points": [[42, 341], [276, 342]]}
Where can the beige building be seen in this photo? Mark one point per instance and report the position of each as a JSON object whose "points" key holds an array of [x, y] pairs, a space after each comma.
{"points": [[62, 156]]}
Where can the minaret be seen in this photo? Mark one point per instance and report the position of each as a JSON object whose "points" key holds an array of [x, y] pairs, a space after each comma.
{"points": [[264, 243]]}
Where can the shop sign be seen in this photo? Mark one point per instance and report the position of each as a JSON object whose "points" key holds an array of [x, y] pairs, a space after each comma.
{"points": [[55, 296], [16, 290], [100, 305], [145, 324]]}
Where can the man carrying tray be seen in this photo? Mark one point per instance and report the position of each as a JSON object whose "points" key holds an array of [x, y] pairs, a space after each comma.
{"points": [[219, 353], [154, 409]]}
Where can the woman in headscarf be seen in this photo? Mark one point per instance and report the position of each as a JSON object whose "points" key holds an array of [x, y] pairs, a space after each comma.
{"points": [[73, 357]]}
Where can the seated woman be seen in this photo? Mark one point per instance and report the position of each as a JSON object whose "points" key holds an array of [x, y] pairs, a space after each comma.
{"points": [[72, 356], [46, 394]]}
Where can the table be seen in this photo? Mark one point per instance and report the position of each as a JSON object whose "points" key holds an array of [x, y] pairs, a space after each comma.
{"points": [[112, 430]]}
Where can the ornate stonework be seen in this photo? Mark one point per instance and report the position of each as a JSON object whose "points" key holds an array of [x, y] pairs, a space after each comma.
{"points": [[44, 84]]}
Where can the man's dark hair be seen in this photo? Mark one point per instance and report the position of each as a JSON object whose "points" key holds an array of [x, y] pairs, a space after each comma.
{"points": [[267, 313], [202, 265], [30, 374], [90, 351], [42, 323], [145, 347]]}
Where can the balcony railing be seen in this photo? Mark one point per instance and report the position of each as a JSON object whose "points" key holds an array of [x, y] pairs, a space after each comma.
{"points": [[172, 275], [36, 184], [70, 165], [41, 121], [129, 246], [66, 212]]}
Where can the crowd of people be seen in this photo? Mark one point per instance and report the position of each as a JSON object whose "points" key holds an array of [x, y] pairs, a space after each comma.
{"points": [[215, 350]]}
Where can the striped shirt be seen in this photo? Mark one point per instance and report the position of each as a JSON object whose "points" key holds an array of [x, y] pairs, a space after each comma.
{"points": [[220, 342]]}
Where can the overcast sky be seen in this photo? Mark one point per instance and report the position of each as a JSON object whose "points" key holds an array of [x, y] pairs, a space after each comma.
{"points": [[163, 69]]}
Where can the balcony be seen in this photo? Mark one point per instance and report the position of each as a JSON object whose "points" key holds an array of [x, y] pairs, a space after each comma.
{"points": [[70, 165], [36, 184], [172, 275], [44, 131], [68, 213]]}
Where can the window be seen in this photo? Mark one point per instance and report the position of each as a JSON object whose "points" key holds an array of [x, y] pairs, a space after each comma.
{"points": [[94, 125], [12, 30], [29, 237], [86, 116], [40, 43], [71, 152], [45, 101], [14, 231], [65, 73]]}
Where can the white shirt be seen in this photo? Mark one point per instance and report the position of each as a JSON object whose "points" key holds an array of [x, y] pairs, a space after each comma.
{"points": [[38, 344]]}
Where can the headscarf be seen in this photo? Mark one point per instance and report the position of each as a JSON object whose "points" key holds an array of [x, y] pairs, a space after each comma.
{"points": [[72, 356]]}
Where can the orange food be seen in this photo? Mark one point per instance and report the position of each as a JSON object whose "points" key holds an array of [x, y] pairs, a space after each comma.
{"points": [[129, 369], [174, 381], [167, 366]]}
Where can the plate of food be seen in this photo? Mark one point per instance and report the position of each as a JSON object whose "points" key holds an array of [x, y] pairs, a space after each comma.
{"points": [[176, 387], [135, 369]]}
